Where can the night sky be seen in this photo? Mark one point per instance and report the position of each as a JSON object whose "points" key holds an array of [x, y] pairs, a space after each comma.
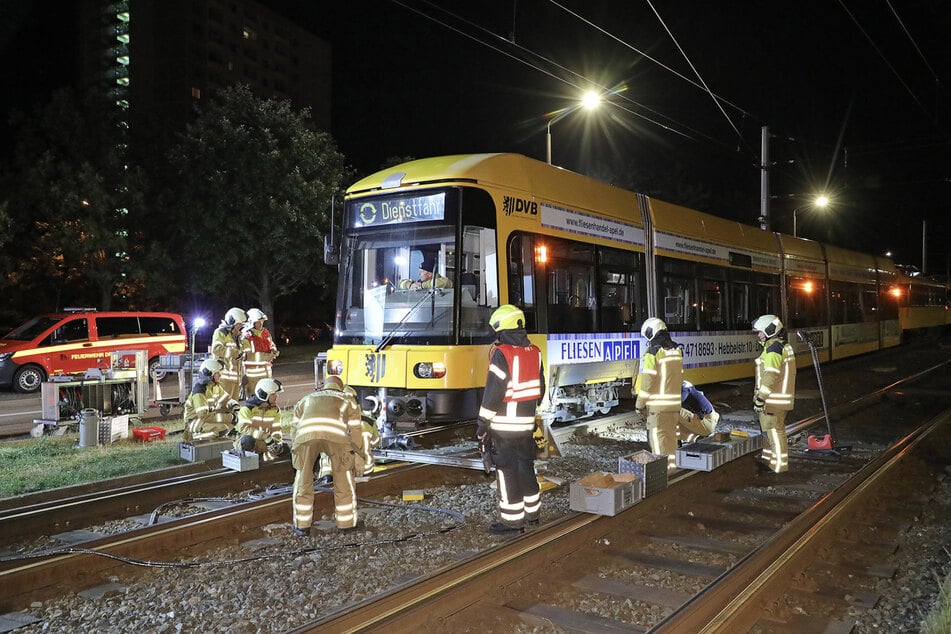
{"points": [[854, 93]]}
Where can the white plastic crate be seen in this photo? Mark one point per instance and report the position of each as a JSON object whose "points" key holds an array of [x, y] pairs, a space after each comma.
{"points": [[604, 493], [240, 460]]}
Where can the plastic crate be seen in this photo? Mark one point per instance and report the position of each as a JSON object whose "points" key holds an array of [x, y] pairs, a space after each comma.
{"points": [[747, 440], [147, 434], [604, 493], [702, 456], [203, 451], [240, 460], [650, 469]]}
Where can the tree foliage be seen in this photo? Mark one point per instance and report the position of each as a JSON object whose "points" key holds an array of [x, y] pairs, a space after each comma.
{"points": [[252, 199], [72, 196]]}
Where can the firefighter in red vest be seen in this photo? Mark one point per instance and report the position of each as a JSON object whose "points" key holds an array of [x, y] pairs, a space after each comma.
{"points": [[513, 389]]}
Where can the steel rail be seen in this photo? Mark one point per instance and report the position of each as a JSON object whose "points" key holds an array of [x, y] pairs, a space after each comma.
{"points": [[725, 605]]}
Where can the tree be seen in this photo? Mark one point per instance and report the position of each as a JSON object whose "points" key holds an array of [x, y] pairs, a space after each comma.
{"points": [[71, 195], [252, 198]]}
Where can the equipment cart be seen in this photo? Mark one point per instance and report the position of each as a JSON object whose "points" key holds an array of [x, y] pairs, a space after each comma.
{"points": [[184, 365]]}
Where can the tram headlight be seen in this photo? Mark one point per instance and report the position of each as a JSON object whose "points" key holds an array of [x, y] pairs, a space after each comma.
{"points": [[335, 367], [427, 370]]}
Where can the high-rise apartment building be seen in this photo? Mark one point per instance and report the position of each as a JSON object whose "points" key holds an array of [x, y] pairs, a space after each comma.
{"points": [[157, 58]]}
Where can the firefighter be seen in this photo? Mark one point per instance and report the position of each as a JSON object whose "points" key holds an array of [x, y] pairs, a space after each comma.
{"points": [[697, 416], [428, 278], [259, 346], [227, 347], [208, 409], [658, 398], [371, 440], [774, 390], [259, 424], [327, 421], [514, 386]]}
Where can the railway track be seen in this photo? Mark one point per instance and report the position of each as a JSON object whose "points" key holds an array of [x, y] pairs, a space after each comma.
{"points": [[759, 550], [695, 525]]}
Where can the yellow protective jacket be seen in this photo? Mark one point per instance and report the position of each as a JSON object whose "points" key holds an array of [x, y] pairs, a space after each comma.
{"points": [[776, 375], [259, 420], [227, 348], [441, 281], [331, 415], [662, 372]]}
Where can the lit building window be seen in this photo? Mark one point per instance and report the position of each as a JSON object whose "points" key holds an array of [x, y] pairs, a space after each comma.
{"points": [[196, 92]]}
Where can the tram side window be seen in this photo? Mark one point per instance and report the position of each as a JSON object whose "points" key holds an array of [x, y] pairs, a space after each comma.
{"points": [[740, 304], [765, 295], [807, 306], [846, 302], [713, 296], [621, 303], [868, 296], [478, 284], [572, 299], [678, 295], [887, 303], [521, 278]]}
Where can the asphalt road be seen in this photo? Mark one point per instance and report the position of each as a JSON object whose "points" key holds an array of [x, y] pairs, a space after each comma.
{"points": [[17, 411]]}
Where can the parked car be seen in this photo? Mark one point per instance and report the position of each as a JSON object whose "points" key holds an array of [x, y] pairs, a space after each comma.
{"points": [[74, 341]]}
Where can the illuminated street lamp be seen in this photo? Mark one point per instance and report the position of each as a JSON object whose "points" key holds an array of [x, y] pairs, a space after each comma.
{"points": [[589, 101], [819, 203]]}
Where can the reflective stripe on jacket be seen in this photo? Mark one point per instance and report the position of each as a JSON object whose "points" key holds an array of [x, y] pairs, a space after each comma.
{"points": [[513, 388], [776, 375], [662, 374]]}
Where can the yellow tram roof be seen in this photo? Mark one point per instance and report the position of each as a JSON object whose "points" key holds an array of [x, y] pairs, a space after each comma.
{"points": [[506, 171]]}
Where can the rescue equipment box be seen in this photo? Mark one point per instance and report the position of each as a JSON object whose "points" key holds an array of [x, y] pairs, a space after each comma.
{"points": [[650, 469], [604, 493], [147, 434], [203, 451], [746, 441], [240, 460], [701, 456]]}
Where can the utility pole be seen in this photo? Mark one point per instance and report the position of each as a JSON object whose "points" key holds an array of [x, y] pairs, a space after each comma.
{"points": [[764, 179]]}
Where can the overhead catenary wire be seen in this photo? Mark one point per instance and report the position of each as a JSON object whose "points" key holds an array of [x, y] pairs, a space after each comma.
{"points": [[686, 131]]}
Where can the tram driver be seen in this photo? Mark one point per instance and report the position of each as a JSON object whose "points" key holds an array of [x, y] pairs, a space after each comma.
{"points": [[428, 277]]}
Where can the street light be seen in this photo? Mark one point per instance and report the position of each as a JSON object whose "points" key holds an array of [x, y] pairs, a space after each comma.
{"points": [[820, 202], [589, 101]]}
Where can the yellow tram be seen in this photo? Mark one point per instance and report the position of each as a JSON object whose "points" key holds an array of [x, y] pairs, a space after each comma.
{"points": [[431, 247]]}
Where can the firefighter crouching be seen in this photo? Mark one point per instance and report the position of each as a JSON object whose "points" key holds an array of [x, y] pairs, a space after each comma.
{"points": [[327, 421], [697, 416], [774, 391], [208, 409], [659, 395], [227, 347], [513, 388], [259, 423]]}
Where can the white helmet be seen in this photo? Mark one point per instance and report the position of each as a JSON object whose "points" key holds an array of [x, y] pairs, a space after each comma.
{"points": [[769, 325], [210, 366], [256, 314], [651, 327], [234, 316], [266, 387]]}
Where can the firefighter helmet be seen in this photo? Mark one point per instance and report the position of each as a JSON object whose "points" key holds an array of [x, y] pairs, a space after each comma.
{"points": [[266, 387], [769, 325], [333, 383], [209, 367], [651, 327], [235, 316], [507, 317], [256, 314]]}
